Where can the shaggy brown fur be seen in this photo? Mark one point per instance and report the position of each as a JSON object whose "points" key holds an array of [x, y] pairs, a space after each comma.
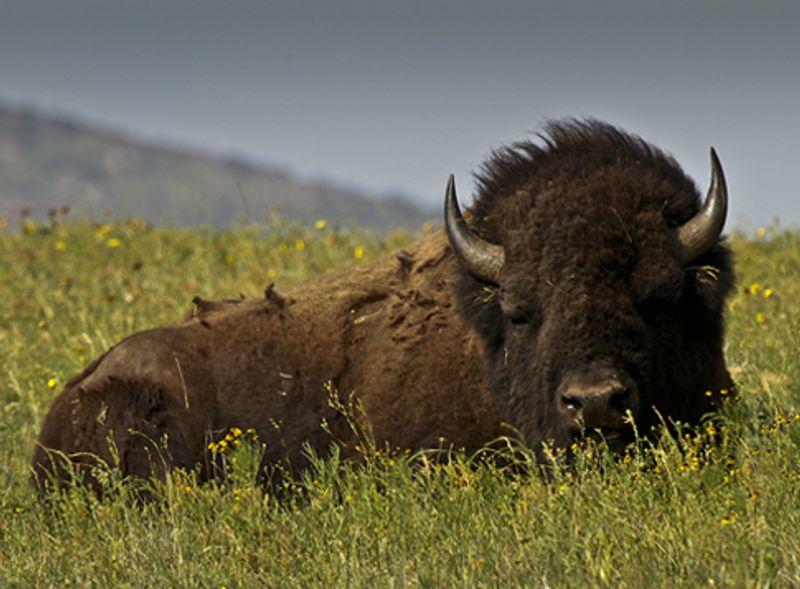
{"points": [[590, 276], [389, 333]]}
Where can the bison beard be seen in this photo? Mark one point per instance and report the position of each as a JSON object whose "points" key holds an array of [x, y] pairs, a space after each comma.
{"points": [[590, 285]]}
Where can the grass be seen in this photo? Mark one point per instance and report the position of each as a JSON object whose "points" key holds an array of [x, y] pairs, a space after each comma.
{"points": [[682, 513]]}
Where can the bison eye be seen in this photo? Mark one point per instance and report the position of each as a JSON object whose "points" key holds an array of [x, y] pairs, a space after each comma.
{"points": [[517, 319], [515, 315], [657, 306]]}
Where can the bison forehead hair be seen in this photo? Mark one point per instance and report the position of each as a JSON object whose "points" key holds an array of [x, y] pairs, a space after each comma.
{"points": [[594, 313]]}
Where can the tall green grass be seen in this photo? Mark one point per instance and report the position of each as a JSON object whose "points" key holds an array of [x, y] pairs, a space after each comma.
{"points": [[716, 507]]}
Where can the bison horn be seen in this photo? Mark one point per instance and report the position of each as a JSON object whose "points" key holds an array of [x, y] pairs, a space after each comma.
{"points": [[698, 234], [482, 259]]}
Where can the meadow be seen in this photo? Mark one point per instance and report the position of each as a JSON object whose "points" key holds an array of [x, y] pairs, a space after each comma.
{"points": [[714, 506]]}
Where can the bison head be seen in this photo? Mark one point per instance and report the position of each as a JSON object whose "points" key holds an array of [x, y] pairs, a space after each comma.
{"points": [[597, 281]]}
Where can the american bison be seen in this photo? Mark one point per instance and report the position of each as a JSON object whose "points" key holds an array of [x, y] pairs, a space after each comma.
{"points": [[587, 284]]}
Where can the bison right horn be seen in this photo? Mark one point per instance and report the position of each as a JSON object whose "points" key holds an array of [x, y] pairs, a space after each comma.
{"points": [[483, 259], [698, 234]]}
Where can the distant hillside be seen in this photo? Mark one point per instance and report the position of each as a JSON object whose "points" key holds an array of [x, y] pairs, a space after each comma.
{"points": [[48, 161]]}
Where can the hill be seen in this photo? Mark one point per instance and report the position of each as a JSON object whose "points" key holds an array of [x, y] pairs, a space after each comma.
{"points": [[48, 161]]}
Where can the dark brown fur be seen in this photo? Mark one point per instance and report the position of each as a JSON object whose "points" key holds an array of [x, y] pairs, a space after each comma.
{"points": [[584, 219], [389, 333], [586, 222]]}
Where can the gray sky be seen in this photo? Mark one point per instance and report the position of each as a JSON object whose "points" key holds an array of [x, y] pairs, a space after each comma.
{"points": [[396, 95]]}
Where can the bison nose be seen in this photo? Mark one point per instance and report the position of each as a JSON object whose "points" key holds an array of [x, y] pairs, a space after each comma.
{"points": [[596, 404]]}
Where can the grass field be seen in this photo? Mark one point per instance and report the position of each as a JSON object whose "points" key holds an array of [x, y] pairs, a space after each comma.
{"points": [[685, 513]]}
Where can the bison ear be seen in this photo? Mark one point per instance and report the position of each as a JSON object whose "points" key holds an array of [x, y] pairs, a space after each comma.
{"points": [[701, 232], [482, 259]]}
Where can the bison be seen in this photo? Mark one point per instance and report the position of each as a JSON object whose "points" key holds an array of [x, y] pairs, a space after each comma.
{"points": [[584, 292]]}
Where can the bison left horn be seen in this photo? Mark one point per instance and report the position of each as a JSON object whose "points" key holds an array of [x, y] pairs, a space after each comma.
{"points": [[482, 259], [701, 232]]}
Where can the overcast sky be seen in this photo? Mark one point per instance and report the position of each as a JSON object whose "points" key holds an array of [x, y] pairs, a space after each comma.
{"points": [[393, 96]]}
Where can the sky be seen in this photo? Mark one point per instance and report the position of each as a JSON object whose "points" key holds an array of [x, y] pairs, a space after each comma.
{"points": [[394, 96]]}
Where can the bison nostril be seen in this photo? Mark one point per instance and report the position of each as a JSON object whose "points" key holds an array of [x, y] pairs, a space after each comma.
{"points": [[620, 400], [571, 402]]}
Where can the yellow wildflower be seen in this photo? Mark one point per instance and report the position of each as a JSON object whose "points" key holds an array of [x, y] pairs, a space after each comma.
{"points": [[359, 252], [29, 227], [104, 230], [300, 245], [113, 242], [229, 259], [320, 224], [768, 292], [60, 246], [760, 318], [761, 232], [754, 288], [51, 383]]}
